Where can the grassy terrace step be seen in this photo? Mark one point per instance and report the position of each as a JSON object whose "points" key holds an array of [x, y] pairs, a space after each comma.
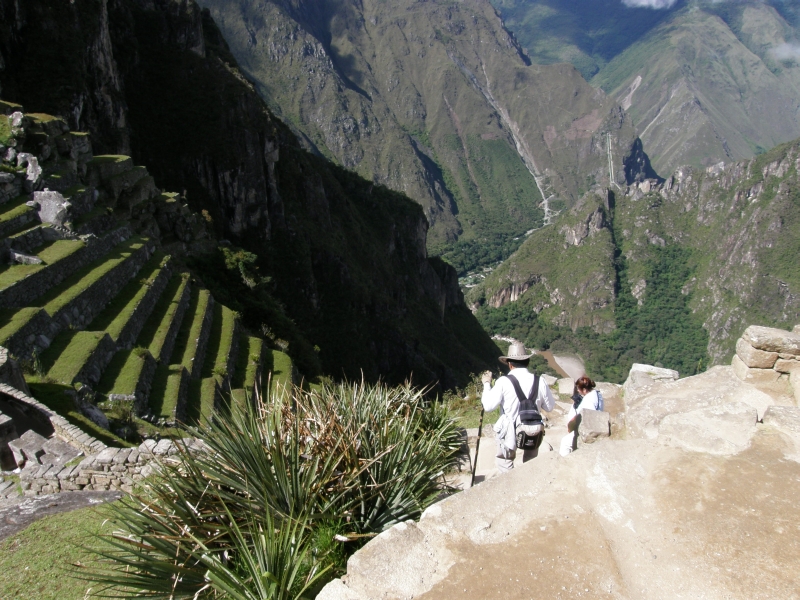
{"points": [[61, 295], [169, 384], [16, 216], [11, 321], [202, 399], [78, 356], [136, 297], [222, 344], [130, 373], [50, 253], [159, 332], [190, 346], [248, 363], [279, 368]]}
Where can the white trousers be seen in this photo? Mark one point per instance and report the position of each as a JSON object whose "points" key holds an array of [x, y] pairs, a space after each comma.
{"points": [[504, 465], [568, 443]]}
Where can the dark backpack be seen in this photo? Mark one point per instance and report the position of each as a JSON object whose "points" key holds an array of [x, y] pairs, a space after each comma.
{"points": [[529, 414]]}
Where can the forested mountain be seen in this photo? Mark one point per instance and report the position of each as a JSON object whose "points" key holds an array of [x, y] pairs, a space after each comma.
{"points": [[703, 81], [438, 100], [331, 264], [668, 273]]}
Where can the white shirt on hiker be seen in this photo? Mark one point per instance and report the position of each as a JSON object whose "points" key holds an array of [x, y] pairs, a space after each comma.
{"points": [[503, 394]]}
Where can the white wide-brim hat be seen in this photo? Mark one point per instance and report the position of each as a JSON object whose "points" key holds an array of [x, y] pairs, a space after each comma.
{"points": [[516, 351]]}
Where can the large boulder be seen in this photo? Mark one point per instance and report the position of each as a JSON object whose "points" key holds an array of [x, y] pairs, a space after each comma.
{"points": [[53, 207], [753, 357], [786, 419]]}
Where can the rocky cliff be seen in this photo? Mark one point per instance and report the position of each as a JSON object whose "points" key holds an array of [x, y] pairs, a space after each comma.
{"points": [[712, 248], [347, 258], [437, 100]]}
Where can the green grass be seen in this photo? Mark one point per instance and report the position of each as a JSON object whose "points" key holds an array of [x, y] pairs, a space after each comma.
{"points": [[69, 353], [154, 332], [74, 285], [15, 208], [165, 390], [16, 321], [208, 393], [185, 351], [281, 368], [53, 396], [123, 373], [247, 362], [35, 564], [5, 130], [220, 341], [50, 253], [116, 315]]}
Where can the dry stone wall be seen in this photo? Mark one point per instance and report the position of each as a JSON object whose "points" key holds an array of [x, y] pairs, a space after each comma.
{"points": [[769, 359]]}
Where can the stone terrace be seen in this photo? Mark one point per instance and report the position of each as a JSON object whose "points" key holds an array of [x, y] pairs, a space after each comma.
{"points": [[93, 300]]}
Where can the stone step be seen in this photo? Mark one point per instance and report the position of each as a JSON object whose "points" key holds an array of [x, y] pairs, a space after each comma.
{"points": [[190, 346], [103, 167], [161, 330], [22, 285], [168, 397], [119, 184], [125, 316], [142, 191], [84, 295], [28, 448], [79, 356], [16, 216], [129, 376]]}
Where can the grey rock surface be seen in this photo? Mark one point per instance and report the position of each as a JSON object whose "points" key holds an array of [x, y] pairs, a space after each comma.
{"points": [[770, 339], [594, 424], [752, 357], [720, 430], [53, 207]]}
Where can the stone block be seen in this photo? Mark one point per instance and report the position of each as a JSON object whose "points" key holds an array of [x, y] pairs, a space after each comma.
{"points": [[787, 366], [28, 447], [163, 447], [565, 386], [594, 424], [53, 208], [771, 339], [754, 358], [106, 456], [753, 376]]}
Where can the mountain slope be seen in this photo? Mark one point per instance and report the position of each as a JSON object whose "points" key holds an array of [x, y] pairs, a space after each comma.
{"points": [[704, 81], [700, 95], [434, 99], [340, 270], [669, 272]]}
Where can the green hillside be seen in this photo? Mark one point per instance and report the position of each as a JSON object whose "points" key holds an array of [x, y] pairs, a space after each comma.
{"points": [[666, 273]]}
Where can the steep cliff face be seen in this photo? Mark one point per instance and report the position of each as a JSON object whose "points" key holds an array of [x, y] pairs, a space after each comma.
{"points": [[435, 99], [347, 258], [711, 247]]}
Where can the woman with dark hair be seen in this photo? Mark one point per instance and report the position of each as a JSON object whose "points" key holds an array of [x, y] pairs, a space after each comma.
{"points": [[587, 398]]}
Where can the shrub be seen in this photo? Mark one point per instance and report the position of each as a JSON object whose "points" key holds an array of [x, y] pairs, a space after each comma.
{"points": [[254, 515]]}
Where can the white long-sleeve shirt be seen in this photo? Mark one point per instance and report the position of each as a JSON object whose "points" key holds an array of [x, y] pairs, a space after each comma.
{"points": [[503, 394]]}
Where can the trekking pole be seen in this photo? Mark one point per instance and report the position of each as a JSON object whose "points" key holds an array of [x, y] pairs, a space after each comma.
{"points": [[477, 448]]}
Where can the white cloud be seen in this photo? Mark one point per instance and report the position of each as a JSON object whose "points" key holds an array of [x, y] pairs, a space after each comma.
{"points": [[786, 51], [655, 4]]}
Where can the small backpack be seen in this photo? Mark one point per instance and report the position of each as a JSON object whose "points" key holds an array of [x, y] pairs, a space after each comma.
{"points": [[528, 414]]}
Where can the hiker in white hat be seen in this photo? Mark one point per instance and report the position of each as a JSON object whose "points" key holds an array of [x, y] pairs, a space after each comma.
{"points": [[521, 396]]}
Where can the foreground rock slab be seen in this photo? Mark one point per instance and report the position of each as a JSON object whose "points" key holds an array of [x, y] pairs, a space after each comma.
{"points": [[618, 519]]}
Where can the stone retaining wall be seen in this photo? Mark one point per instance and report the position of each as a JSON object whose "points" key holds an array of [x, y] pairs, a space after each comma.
{"points": [[82, 309], [37, 284], [131, 330], [92, 369], [769, 358], [17, 222], [144, 385]]}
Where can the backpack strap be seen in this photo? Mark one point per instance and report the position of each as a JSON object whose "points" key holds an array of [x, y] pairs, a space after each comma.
{"points": [[517, 387], [529, 412]]}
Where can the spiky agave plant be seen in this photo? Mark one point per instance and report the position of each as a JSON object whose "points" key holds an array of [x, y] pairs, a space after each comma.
{"points": [[241, 515]]}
